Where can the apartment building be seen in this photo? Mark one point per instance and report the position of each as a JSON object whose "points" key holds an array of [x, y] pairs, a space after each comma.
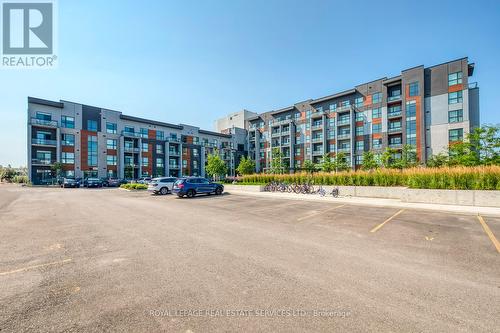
{"points": [[428, 108], [97, 142]]}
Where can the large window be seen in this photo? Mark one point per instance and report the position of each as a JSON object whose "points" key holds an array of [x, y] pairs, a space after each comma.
{"points": [[455, 116], [68, 158], [92, 150], [454, 78], [111, 160], [129, 129], [358, 102], [360, 116], [111, 128], [413, 89], [160, 135], [144, 147], [376, 113], [360, 145], [376, 128], [455, 135], [144, 133], [159, 149], [92, 125], [455, 97], [68, 122], [377, 143], [345, 103], [68, 139], [145, 161], [159, 162], [359, 130], [111, 144], [376, 98]]}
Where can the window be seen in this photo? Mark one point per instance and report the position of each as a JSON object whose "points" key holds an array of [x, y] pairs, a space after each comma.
{"points": [[92, 150], [69, 173], [145, 161], [376, 98], [377, 143], [129, 129], [358, 102], [111, 144], [376, 128], [129, 145], [413, 89], [111, 160], [359, 116], [173, 136], [195, 164], [359, 130], [455, 97], [411, 109], [159, 162], [345, 103], [92, 125], [144, 133], [184, 163], [376, 113], [297, 115], [195, 152], [359, 159], [68, 122], [297, 151], [332, 147], [111, 128], [160, 135], [68, 139], [395, 110], [360, 145], [455, 116], [454, 78], [43, 116], [308, 114], [159, 149], [333, 107], [455, 135], [144, 147], [68, 158]]}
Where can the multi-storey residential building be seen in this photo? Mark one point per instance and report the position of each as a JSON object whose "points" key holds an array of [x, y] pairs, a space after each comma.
{"points": [[97, 142], [427, 108]]}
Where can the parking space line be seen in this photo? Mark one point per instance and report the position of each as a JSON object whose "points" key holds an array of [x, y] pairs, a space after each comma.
{"points": [[35, 266], [318, 213], [490, 234], [389, 219]]}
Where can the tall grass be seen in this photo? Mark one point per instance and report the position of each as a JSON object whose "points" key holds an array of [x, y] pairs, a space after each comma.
{"points": [[452, 178]]}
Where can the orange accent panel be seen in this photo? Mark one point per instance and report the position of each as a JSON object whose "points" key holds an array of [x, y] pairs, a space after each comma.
{"points": [[112, 167], [68, 149], [151, 134], [455, 88], [111, 152], [359, 123], [377, 135], [376, 120], [368, 100], [67, 167], [84, 148], [360, 137]]}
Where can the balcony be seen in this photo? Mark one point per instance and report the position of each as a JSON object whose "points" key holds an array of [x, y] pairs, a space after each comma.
{"points": [[275, 144], [344, 108], [37, 161], [285, 142], [317, 139], [131, 150], [394, 114], [252, 138], [343, 136], [395, 129], [131, 134], [395, 145], [341, 122], [318, 152], [43, 122], [393, 98], [285, 132], [344, 150], [275, 134], [317, 126], [44, 142], [174, 153], [174, 140], [173, 166]]}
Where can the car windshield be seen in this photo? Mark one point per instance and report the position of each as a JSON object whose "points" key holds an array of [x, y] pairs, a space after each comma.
{"points": [[93, 179], [179, 181]]}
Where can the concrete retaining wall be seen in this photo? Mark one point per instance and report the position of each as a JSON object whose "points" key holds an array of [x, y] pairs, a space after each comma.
{"points": [[443, 197]]}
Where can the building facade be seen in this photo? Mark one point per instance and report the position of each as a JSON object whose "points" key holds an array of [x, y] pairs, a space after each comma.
{"points": [[428, 108], [97, 142]]}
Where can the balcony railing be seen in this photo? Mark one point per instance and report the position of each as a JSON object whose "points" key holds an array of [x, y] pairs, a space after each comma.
{"points": [[395, 145], [316, 126], [317, 139], [285, 142], [344, 150], [343, 108], [43, 122], [394, 129], [173, 166], [318, 152], [285, 132], [174, 153], [341, 122], [394, 114], [275, 134], [131, 134], [42, 161], [131, 150], [393, 98], [344, 136], [174, 140], [45, 142]]}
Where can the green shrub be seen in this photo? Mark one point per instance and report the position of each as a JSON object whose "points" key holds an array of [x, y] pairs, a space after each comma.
{"points": [[134, 186], [453, 178]]}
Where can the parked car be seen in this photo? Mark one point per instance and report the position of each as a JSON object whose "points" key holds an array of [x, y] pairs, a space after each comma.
{"points": [[114, 182], [144, 180], [92, 182], [192, 186], [161, 185], [79, 181], [105, 182], [70, 183]]}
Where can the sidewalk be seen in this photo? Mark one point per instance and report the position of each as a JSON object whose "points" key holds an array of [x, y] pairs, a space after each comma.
{"points": [[362, 201]]}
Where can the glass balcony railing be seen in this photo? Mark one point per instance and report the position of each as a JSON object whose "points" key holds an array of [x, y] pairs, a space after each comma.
{"points": [[393, 98], [131, 150], [394, 129], [343, 108], [317, 139], [343, 122], [344, 149], [45, 142], [275, 134], [175, 140], [43, 122], [173, 166], [318, 152], [42, 161], [395, 145], [343, 136], [393, 114], [174, 153], [131, 134]]}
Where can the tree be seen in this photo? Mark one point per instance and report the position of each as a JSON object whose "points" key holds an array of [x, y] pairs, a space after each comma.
{"points": [[369, 162], [246, 166], [327, 165], [389, 159], [409, 157], [462, 153], [215, 168], [485, 142], [277, 165], [129, 171], [309, 166], [57, 169], [341, 163], [437, 161], [7, 173]]}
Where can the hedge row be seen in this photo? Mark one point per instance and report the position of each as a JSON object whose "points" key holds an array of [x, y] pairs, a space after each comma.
{"points": [[452, 178], [134, 186]]}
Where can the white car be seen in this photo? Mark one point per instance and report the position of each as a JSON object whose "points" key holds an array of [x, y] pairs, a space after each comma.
{"points": [[162, 185]]}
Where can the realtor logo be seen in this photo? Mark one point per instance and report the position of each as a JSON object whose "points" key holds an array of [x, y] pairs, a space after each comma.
{"points": [[28, 34]]}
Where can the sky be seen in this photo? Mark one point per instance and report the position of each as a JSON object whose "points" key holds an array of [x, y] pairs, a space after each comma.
{"points": [[192, 62]]}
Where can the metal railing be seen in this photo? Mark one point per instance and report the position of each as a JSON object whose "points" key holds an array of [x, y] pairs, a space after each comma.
{"points": [[393, 98], [395, 145], [42, 161], [394, 114], [173, 166], [318, 152], [317, 139], [344, 108], [131, 150], [131, 134], [174, 153], [43, 122], [394, 129], [343, 122], [45, 142], [344, 136], [344, 150]]}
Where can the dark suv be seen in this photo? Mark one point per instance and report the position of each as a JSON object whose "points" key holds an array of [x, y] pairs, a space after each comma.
{"points": [[192, 186]]}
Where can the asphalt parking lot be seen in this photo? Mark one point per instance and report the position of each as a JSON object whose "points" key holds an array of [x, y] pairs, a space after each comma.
{"points": [[111, 260]]}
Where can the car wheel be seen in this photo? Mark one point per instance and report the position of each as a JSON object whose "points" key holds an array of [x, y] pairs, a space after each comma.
{"points": [[190, 193], [163, 190], [218, 191], [180, 195]]}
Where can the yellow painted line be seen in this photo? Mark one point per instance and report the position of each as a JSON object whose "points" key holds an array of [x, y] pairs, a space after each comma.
{"points": [[318, 213], [36, 266], [390, 218], [490, 234]]}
